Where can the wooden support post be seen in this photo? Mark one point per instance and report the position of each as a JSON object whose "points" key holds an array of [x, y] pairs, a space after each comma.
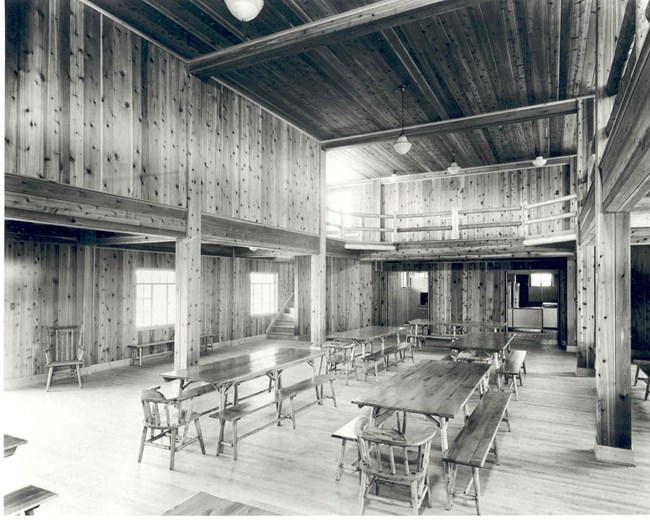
{"points": [[571, 302], [319, 269], [187, 336], [613, 292], [613, 305], [455, 222]]}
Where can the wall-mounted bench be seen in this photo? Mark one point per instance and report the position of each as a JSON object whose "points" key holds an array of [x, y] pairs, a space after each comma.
{"points": [[136, 349]]}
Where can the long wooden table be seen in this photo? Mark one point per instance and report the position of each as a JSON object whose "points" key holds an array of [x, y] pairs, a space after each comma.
{"points": [[436, 389], [204, 504], [366, 335], [419, 328], [222, 375], [496, 343]]}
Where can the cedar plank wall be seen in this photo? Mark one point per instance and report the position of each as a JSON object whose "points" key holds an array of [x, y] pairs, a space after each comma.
{"points": [[46, 282], [124, 129], [351, 294], [640, 260], [496, 190], [460, 291]]}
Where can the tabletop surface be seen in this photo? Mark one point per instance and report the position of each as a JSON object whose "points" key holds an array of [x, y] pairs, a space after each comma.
{"points": [[433, 387], [11, 442], [244, 367], [483, 340], [204, 504], [366, 333]]}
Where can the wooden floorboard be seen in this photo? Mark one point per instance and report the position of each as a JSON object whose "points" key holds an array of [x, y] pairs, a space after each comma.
{"points": [[83, 444]]}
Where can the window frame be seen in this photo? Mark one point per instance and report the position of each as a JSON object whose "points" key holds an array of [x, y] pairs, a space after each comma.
{"points": [[274, 285], [155, 278]]}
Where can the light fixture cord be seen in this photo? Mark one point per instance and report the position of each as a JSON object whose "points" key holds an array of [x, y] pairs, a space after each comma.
{"points": [[402, 88]]}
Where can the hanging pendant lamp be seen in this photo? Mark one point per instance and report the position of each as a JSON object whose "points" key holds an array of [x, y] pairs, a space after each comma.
{"points": [[402, 145], [244, 10], [539, 161], [453, 168]]}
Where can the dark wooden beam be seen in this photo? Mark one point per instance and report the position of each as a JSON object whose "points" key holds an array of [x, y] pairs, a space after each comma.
{"points": [[625, 39], [449, 126], [235, 232], [123, 240], [344, 26]]}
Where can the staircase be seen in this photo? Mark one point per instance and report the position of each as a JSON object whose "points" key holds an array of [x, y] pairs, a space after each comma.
{"points": [[283, 325]]}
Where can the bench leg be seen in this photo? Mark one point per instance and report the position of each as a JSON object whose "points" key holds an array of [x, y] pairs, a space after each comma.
{"points": [[477, 490], [376, 372], [79, 376], [292, 413], [514, 382], [234, 440], [366, 365], [647, 387], [496, 450], [50, 373], [339, 465], [636, 375], [449, 472], [506, 418], [199, 435], [332, 389]]}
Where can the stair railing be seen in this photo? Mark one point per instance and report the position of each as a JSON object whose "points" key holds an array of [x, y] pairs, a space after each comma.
{"points": [[280, 312]]}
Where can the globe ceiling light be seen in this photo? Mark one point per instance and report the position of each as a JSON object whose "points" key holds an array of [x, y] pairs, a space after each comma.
{"points": [[244, 10], [402, 145], [539, 161]]}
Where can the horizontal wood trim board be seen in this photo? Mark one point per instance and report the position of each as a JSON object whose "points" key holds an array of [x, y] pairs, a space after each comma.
{"points": [[344, 26], [225, 230], [450, 126]]}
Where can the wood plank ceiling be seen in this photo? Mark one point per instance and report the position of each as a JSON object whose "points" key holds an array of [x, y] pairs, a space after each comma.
{"points": [[479, 57]]}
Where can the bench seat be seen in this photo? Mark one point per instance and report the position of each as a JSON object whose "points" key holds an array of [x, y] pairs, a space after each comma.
{"points": [[26, 500], [258, 402], [511, 368], [138, 348], [474, 442], [375, 356]]}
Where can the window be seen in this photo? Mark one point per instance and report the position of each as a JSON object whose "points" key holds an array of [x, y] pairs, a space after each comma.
{"points": [[155, 298], [264, 293], [543, 280]]}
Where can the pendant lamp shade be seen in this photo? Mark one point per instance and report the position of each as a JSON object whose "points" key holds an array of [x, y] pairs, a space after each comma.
{"points": [[539, 161], [402, 145], [453, 168], [245, 10]]}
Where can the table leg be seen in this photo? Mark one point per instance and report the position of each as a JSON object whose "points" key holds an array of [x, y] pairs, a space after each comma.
{"points": [[444, 444]]}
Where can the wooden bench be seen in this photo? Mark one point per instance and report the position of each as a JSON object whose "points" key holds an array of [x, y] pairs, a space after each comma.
{"points": [[27, 499], [511, 368], [644, 367], [375, 356], [206, 342], [291, 391], [474, 442], [138, 348], [256, 403]]}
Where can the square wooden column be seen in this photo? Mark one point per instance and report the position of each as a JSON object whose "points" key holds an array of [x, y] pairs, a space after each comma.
{"points": [[187, 335], [613, 305], [571, 304], [319, 268]]}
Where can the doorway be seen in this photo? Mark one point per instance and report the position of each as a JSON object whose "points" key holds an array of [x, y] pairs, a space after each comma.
{"points": [[532, 298]]}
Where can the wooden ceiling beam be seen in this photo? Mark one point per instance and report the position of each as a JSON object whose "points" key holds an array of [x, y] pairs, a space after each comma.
{"points": [[121, 240], [344, 26], [623, 43], [448, 126]]}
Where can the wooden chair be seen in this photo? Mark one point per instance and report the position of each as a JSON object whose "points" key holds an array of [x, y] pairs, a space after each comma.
{"points": [[341, 353], [388, 458], [167, 417], [64, 351]]}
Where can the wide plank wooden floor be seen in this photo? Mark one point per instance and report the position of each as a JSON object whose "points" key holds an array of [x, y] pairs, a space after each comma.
{"points": [[83, 444]]}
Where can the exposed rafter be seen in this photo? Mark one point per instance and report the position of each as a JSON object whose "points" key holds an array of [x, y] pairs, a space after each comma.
{"points": [[490, 119], [344, 26]]}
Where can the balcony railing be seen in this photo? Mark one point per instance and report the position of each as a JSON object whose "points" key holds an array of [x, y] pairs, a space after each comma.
{"points": [[527, 220]]}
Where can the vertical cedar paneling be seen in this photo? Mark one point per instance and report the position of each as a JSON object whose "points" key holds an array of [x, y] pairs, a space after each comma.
{"points": [[91, 104], [302, 267], [48, 284], [350, 294]]}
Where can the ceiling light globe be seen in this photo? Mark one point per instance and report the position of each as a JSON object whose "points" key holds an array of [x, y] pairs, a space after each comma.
{"points": [[402, 145], [245, 10], [453, 169], [539, 161]]}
